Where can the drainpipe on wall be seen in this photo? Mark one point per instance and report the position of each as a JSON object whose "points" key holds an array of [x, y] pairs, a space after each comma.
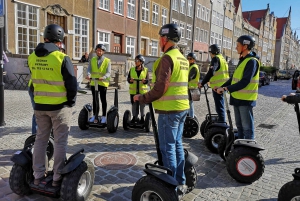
{"points": [[194, 21], [6, 29], [95, 24], [138, 34]]}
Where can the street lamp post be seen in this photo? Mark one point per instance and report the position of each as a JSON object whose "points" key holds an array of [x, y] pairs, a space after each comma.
{"points": [[2, 123]]}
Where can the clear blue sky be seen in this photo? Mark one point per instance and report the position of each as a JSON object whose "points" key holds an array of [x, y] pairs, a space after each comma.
{"points": [[279, 7]]}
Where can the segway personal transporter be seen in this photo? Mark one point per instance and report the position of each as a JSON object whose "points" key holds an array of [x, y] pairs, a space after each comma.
{"points": [[291, 190], [244, 163], [77, 182], [127, 115], [210, 118], [191, 124], [159, 183], [86, 113]]}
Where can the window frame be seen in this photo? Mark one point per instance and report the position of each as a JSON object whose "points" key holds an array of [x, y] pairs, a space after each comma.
{"points": [[82, 50]]}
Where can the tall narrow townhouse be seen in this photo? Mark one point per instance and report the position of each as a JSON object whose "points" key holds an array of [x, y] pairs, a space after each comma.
{"points": [[217, 23], [154, 14], [228, 21], [182, 14], [282, 58], [263, 20], [237, 30], [116, 23], [27, 19], [201, 31]]}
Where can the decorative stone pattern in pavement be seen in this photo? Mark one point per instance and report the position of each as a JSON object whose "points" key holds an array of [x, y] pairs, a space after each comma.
{"points": [[115, 161], [281, 144]]}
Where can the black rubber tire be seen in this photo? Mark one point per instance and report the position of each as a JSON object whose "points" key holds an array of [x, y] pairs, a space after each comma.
{"points": [[203, 127], [83, 119], [239, 153], [191, 127], [221, 148], [50, 148], [112, 121], [212, 138], [191, 178], [148, 122], [72, 181], [18, 180], [126, 119], [289, 191], [161, 191]]}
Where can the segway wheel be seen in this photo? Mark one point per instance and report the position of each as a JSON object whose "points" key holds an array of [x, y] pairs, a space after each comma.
{"points": [[212, 138], [77, 185], [126, 119], [245, 165], [191, 178], [191, 127], [83, 119], [18, 180], [221, 148], [290, 191], [151, 188], [147, 124], [50, 147], [203, 127], [112, 121]]}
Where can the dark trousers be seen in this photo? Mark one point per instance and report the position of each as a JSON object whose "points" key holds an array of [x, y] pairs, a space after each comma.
{"points": [[219, 104], [96, 105]]}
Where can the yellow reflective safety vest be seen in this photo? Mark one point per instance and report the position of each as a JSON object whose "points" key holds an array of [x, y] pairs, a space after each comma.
{"points": [[47, 80], [193, 84], [220, 76], [143, 88], [250, 92], [176, 96], [99, 72]]}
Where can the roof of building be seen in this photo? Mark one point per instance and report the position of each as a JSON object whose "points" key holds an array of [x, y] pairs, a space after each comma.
{"points": [[281, 22], [254, 17]]}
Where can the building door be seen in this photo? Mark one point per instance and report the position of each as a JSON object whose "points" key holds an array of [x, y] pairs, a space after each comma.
{"points": [[143, 46], [117, 43], [59, 20]]}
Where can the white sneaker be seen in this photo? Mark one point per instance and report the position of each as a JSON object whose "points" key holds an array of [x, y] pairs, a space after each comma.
{"points": [[92, 119], [103, 120]]}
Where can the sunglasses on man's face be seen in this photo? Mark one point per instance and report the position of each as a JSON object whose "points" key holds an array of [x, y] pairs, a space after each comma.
{"points": [[137, 60], [189, 58]]}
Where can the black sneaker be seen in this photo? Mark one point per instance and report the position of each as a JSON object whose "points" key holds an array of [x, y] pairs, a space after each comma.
{"points": [[142, 121]]}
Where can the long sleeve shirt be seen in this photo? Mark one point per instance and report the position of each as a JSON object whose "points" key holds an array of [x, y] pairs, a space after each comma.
{"points": [[214, 66], [100, 60]]}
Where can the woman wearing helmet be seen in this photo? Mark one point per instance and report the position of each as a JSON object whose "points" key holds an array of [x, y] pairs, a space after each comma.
{"points": [[141, 73], [99, 68], [243, 87]]}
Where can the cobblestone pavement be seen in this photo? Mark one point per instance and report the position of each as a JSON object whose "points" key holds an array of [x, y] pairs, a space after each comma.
{"points": [[214, 183]]}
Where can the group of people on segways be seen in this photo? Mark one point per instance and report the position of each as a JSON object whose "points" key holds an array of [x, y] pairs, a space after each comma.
{"points": [[53, 91]]}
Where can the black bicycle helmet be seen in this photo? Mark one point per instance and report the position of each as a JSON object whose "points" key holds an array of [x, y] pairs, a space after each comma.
{"points": [[140, 57], [100, 46], [247, 40], [54, 33], [214, 49], [171, 31], [192, 55]]}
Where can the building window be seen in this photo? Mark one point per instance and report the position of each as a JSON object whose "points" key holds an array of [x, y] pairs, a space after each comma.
{"points": [[188, 31], [198, 10], [201, 35], [104, 4], [164, 13], [131, 9], [155, 14], [190, 8], [118, 7], [117, 43], [145, 11], [27, 23], [197, 38], [103, 38], [154, 48], [182, 27], [80, 36], [175, 5], [174, 21], [130, 47], [182, 6]]}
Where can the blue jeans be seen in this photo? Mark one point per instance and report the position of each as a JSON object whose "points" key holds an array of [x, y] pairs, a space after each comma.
{"points": [[219, 104], [33, 124], [170, 129], [244, 122], [191, 110]]}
